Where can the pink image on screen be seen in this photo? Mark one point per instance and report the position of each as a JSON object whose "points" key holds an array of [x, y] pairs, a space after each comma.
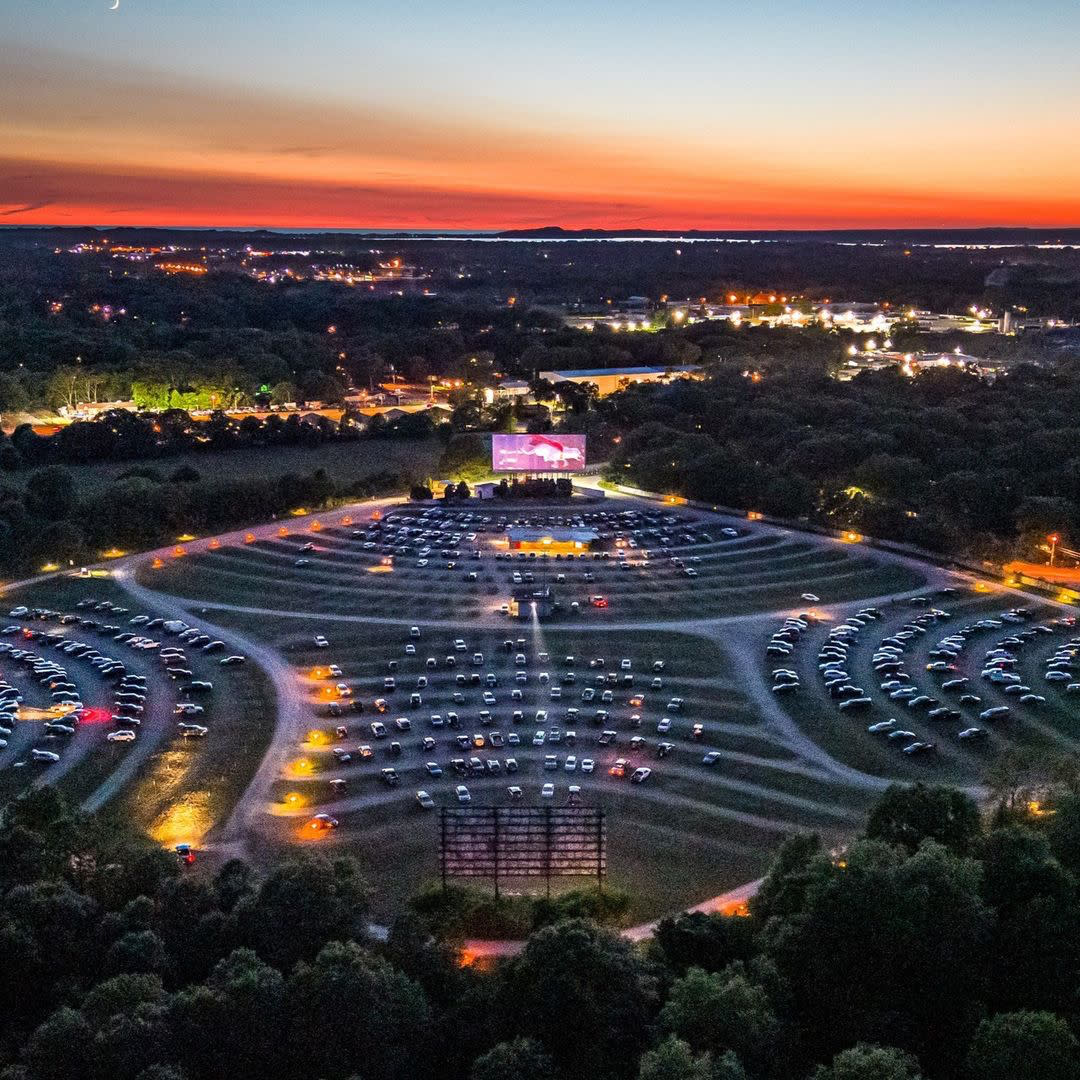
{"points": [[538, 453]]}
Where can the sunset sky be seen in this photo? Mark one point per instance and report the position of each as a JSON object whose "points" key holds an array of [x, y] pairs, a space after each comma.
{"points": [[462, 114]]}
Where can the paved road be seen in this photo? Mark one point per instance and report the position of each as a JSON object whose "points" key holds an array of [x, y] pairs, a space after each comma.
{"points": [[729, 903]]}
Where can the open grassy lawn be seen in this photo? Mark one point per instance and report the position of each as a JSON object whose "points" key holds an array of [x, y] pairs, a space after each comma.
{"points": [[343, 461]]}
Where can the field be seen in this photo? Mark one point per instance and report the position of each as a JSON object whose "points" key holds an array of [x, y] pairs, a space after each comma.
{"points": [[344, 462], [654, 657]]}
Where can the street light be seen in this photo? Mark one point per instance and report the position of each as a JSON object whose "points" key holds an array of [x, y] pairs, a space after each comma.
{"points": [[1053, 540]]}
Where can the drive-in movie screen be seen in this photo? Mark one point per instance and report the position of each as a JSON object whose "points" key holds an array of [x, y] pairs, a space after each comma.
{"points": [[538, 453]]}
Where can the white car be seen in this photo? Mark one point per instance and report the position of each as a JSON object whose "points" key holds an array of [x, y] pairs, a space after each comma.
{"points": [[123, 735], [810, 598], [639, 776], [881, 725], [462, 793], [321, 642], [547, 791], [587, 765], [47, 757], [570, 764]]}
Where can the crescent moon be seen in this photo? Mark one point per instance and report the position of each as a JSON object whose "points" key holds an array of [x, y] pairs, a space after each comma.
{"points": [[115, 5]]}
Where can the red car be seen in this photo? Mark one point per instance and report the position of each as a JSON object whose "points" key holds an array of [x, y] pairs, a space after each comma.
{"points": [[598, 601]]}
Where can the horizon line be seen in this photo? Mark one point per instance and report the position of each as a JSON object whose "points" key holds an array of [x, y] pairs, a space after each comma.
{"points": [[570, 230]]}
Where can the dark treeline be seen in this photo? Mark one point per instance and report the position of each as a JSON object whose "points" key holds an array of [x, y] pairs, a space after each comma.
{"points": [[945, 460], [937, 946], [120, 435], [900, 268], [49, 521]]}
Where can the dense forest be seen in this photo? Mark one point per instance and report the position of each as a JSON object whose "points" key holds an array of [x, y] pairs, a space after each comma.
{"points": [[939, 945], [947, 460], [88, 327], [49, 521]]}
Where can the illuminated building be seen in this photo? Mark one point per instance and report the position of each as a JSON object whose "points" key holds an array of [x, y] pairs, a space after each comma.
{"points": [[608, 380], [561, 540]]}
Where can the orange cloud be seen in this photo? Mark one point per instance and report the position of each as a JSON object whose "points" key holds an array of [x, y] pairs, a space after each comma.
{"points": [[131, 147]]}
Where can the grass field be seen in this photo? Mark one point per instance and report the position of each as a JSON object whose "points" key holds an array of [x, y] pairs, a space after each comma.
{"points": [[343, 461], [757, 573]]}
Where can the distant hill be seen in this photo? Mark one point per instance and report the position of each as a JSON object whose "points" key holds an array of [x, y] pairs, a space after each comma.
{"points": [[997, 235]]}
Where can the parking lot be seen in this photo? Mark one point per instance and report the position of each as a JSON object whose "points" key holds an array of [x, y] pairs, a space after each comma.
{"points": [[933, 687], [717, 785], [700, 678], [124, 708]]}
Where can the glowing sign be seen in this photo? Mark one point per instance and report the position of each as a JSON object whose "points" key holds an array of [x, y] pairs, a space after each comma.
{"points": [[538, 453]]}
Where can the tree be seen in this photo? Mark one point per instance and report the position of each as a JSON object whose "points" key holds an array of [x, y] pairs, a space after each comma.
{"points": [[162, 1072], [284, 393], [723, 1011], [921, 919], [57, 1049], [128, 1043], [13, 395], [1025, 774], [121, 994], [1064, 832], [140, 952], [798, 868], [466, 457], [391, 1042], [710, 942], [865, 1062], [10, 458], [1034, 947], [50, 493], [1023, 1046], [320, 386], [909, 815], [674, 1060], [522, 1059], [584, 993], [1039, 516], [57, 542], [253, 998], [319, 900]]}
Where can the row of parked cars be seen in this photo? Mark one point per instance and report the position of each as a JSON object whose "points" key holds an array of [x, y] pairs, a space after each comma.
{"points": [[943, 660], [517, 660]]}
